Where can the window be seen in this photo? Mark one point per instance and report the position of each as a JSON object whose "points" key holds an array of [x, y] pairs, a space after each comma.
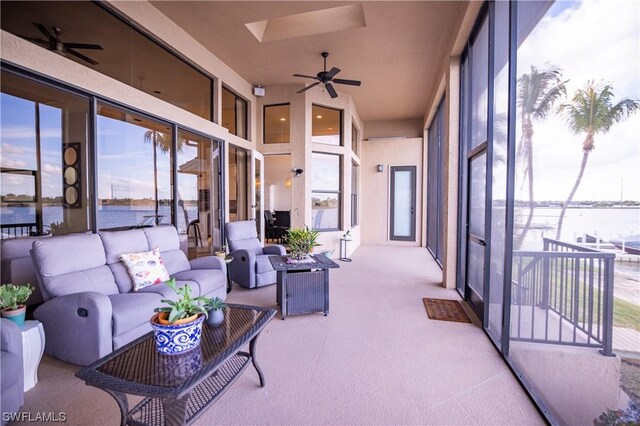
{"points": [[43, 176], [134, 170], [234, 113], [435, 185], [198, 199], [354, 139], [326, 125], [325, 191], [276, 124], [126, 54], [355, 179], [238, 169]]}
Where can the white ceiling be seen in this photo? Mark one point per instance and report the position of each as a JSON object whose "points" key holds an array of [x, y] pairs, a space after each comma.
{"points": [[395, 55]]}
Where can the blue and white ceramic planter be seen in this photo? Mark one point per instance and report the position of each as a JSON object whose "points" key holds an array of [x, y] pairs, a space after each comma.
{"points": [[173, 339]]}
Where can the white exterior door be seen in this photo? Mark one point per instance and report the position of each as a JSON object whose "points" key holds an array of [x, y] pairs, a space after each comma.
{"points": [[256, 210]]}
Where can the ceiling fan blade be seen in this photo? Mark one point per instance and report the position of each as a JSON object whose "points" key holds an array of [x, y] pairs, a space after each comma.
{"points": [[331, 90], [349, 82], [83, 46], [305, 76], [304, 89], [81, 56], [44, 30], [333, 71]]}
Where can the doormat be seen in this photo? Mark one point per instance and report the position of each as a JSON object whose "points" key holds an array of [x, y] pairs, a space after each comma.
{"points": [[445, 310]]}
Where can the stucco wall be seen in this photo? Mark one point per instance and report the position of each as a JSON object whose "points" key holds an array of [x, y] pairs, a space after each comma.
{"points": [[375, 186]]}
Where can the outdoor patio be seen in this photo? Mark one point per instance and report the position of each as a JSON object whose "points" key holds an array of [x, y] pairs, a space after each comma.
{"points": [[376, 359]]}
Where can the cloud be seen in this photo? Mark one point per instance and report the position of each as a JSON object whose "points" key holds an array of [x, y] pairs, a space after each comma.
{"points": [[50, 168], [595, 40], [12, 164], [8, 148]]}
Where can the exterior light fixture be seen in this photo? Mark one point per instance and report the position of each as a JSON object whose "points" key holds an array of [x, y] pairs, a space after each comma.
{"points": [[298, 172], [380, 168]]}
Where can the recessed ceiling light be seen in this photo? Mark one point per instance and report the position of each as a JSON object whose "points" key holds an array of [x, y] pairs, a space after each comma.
{"points": [[157, 92], [318, 116], [283, 119], [330, 128]]}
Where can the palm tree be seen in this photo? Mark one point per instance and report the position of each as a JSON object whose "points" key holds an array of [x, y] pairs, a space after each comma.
{"points": [[537, 93], [163, 142], [591, 111]]}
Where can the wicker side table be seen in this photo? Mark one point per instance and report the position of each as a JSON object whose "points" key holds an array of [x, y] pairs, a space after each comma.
{"points": [[303, 288]]}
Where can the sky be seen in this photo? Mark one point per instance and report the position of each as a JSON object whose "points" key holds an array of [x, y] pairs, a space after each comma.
{"points": [[591, 40]]}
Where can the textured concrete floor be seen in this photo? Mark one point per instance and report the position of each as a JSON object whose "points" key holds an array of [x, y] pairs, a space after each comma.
{"points": [[376, 359]]}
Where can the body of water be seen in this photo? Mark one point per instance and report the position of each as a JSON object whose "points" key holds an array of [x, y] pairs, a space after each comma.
{"points": [[108, 216]]}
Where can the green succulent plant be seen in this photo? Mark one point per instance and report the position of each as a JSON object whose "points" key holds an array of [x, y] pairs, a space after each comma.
{"points": [[13, 295], [185, 306], [302, 240], [214, 304]]}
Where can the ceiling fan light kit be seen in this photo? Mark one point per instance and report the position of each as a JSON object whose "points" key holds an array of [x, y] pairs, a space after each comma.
{"points": [[327, 78]]}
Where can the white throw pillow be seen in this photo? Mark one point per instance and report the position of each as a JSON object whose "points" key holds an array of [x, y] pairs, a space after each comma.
{"points": [[145, 268]]}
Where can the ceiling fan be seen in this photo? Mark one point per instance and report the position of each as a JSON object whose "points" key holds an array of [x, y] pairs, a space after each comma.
{"points": [[55, 44], [326, 77]]}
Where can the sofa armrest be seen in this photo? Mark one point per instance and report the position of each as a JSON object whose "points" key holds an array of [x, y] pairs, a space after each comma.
{"points": [[78, 327], [11, 337], [274, 249], [209, 262], [243, 268]]}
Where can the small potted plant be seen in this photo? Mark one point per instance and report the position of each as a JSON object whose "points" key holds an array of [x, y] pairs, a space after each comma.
{"points": [[302, 241], [178, 327], [222, 252], [12, 301], [215, 308]]}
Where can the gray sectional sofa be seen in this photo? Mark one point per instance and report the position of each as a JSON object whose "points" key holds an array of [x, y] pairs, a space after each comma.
{"points": [[90, 308], [12, 376]]}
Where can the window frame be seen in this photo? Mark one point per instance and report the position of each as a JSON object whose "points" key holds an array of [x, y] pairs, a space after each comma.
{"points": [[355, 211], [355, 141], [338, 192], [341, 131], [264, 123], [235, 112]]}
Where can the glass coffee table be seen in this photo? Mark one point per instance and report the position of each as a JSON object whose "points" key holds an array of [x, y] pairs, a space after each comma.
{"points": [[179, 388]]}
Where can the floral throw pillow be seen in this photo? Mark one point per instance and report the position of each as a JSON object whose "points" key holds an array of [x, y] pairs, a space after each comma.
{"points": [[145, 268]]}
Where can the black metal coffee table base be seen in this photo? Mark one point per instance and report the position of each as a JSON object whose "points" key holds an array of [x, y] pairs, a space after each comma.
{"points": [[180, 388]]}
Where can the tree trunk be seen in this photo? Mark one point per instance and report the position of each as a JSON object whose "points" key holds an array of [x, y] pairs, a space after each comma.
{"points": [[527, 134], [155, 176], [585, 157]]}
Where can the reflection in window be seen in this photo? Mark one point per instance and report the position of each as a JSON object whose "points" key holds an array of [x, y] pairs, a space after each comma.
{"points": [[43, 160], [234, 113], [238, 161], [276, 123], [125, 55], [354, 139], [326, 125], [355, 178], [134, 170], [435, 185], [325, 191], [198, 195]]}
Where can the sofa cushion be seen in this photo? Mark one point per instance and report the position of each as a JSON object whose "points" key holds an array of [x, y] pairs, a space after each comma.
{"points": [[97, 279], [208, 280], [122, 277], [117, 243], [146, 268], [175, 261], [252, 245], [68, 253], [10, 371], [167, 293], [163, 237], [17, 266], [263, 264], [132, 310]]}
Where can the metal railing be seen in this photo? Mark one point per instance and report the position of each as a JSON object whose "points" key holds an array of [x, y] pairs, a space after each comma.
{"points": [[15, 230], [563, 295]]}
